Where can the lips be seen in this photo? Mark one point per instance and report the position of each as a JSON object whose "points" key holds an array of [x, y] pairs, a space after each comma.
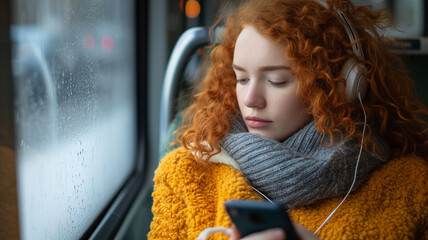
{"points": [[256, 122]]}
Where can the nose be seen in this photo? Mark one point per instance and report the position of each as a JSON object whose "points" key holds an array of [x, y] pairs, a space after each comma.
{"points": [[254, 96]]}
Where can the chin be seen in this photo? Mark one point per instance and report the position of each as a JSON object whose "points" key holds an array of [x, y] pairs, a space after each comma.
{"points": [[269, 135]]}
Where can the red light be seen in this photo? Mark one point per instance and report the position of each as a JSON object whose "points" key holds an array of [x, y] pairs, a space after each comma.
{"points": [[89, 42], [182, 5], [107, 43]]}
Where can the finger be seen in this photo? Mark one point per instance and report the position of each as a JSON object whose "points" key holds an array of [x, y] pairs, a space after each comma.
{"points": [[271, 234], [235, 233]]}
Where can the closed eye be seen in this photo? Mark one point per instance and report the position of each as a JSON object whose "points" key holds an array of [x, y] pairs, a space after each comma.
{"points": [[242, 81], [277, 84]]}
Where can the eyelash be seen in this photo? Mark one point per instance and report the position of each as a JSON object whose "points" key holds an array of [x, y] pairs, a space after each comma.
{"points": [[242, 81], [277, 84], [274, 84]]}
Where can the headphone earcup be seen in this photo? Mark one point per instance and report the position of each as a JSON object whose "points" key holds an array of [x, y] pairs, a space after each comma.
{"points": [[355, 76]]}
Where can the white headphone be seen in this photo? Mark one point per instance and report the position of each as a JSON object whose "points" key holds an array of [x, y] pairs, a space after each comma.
{"points": [[354, 74], [352, 71]]}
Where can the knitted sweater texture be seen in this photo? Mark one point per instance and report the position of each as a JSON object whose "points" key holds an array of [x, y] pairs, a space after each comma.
{"points": [[392, 204]]}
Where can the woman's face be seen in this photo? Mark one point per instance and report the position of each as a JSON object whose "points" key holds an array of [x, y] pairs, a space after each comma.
{"points": [[266, 88]]}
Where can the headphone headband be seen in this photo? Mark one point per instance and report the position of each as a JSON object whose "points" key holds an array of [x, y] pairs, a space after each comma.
{"points": [[349, 28], [352, 71]]}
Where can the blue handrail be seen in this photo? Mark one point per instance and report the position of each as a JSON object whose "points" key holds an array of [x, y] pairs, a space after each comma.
{"points": [[187, 44]]}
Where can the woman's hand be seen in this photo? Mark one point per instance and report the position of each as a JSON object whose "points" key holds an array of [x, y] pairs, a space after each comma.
{"points": [[274, 234], [270, 234]]}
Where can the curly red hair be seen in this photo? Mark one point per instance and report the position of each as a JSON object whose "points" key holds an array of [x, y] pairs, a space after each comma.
{"points": [[318, 46]]}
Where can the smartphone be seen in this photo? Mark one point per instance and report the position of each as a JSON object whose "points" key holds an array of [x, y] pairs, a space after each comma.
{"points": [[250, 216]]}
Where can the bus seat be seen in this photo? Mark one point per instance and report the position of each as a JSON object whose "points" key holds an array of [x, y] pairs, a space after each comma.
{"points": [[182, 71]]}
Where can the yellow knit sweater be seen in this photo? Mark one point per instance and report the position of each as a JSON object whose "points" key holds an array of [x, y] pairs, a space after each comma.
{"points": [[392, 204]]}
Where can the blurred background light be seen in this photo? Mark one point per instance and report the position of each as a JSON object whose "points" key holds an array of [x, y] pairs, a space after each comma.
{"points": [[182, 5], [107, 43], [192, 9]]}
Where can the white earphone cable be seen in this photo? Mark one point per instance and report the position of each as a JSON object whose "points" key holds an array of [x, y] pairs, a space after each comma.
{"points": [[255, 189], [356, 168]]}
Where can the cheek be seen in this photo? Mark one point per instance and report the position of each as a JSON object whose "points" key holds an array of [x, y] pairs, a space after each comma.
{"points": [[240, 96], [289, 105]]}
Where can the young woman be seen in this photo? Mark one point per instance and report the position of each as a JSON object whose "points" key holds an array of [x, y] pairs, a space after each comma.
{"points": [[302, 104]]}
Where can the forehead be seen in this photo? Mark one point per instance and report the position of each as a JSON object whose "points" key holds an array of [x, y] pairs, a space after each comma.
{"points": [[252, 47]]}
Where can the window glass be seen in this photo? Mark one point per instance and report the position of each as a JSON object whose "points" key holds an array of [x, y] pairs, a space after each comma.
{"points": [[75, 111], [410, 15]]}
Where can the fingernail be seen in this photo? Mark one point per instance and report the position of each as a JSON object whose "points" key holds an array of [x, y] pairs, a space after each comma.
{"points": [[278, 233]]}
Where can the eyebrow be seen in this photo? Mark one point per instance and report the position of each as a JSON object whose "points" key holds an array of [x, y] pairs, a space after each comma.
{"points": [[263, 68]]}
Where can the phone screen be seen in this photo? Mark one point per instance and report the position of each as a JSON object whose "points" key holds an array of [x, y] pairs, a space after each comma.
{"points": [[255, 216]]}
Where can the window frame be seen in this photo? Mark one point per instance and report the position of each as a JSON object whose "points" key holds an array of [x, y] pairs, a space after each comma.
{"points": [[9, 215]]}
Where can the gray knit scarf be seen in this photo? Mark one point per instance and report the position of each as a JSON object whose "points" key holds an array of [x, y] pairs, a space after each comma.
{"points": [[299, 171]]}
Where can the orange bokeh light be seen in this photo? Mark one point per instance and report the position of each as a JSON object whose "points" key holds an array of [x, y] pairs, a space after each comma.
{"points": [[192, 9]]}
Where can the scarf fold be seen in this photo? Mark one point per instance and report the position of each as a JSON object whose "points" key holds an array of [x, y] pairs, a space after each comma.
{"points": [[299, 171]]}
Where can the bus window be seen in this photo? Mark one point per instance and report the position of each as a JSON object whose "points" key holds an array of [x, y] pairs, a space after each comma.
{"points": [[74, 71]]}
